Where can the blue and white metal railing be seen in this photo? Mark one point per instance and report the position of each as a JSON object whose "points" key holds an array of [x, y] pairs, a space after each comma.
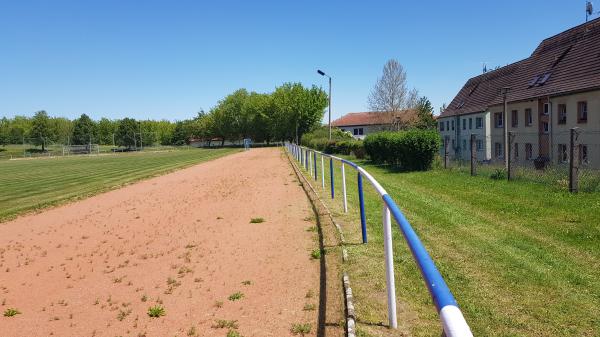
{"points": [[452, 319]]}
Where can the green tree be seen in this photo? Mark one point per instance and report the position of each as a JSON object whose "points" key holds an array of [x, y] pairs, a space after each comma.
{"points": [[106, 131], [62, 128], [228, 120], [297, 110], [4, 131], [126, 133], [425, 114], [84, 130], [40, 129]]}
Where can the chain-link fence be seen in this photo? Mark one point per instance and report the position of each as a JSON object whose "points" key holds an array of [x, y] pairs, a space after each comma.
{"points": [[568, 159]]}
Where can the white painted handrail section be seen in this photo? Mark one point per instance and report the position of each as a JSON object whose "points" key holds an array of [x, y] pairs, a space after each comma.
{"points": [[451, 317]]}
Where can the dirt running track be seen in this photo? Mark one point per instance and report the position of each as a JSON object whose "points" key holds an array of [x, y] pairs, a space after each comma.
{"points": [[94, 267]]}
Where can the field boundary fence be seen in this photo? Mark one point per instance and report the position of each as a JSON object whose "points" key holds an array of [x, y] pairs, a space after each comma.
{"points": [[568, 159], [451, 318]]}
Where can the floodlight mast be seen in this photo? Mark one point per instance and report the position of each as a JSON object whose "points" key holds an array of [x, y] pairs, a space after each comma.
{"points": [[322, 73]]}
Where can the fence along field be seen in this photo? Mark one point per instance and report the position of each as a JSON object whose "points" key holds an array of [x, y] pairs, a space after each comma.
{"points": [[521, 257], [31, 184]]}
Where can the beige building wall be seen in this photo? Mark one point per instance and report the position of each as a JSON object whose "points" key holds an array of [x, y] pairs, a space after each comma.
{"points": [[558, 134], [458, 131]]}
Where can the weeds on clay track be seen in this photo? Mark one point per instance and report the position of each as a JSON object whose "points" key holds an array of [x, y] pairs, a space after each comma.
{"points": [[156, 311], [236, 296], [301, 329], [233, 333], [192, 331], [247, 282], [10, 312], [257, 220], [219, 304], [315, 254], [223, 323], [309, 307]]}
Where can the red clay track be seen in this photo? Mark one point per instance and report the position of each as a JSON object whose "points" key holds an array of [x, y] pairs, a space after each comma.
{"points": [[183, 239]]}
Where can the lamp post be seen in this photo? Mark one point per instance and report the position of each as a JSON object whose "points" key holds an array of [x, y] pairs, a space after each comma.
{"points": [[323, 74]]}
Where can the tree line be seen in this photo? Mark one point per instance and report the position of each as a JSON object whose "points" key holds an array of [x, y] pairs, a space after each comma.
{"points": [[284, 114]]}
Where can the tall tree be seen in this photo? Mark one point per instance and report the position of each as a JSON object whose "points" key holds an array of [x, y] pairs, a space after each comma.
{"points": [[297, 110], [40, 129], [106, 131], [84, 131], [4, 131], [126, 133], [390, 93], [425, 118]]}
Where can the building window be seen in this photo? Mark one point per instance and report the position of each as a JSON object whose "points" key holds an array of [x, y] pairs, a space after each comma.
{"points": [[528, 151], [479, 144], [583, 153], [448, 125], [498, 150], [516, 151], [454, 143], [478, 122], [452, 125], [582, 112], [464, 144], [546, 127], [359, 131], [441, 126], [562, 153], [470, 123], [528, 117], [464, 124], [498, 120], [514, 118], [562, 114], [546, 108]]}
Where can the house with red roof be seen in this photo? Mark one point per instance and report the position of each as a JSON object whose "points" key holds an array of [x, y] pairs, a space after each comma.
{"points": [[360, 124]]}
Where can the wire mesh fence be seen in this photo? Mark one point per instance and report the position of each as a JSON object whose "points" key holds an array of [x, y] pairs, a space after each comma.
{"points": [[558, 159]]}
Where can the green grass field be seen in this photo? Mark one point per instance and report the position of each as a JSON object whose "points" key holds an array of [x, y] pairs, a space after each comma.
{"points": [[36, 183], [522, 259]]}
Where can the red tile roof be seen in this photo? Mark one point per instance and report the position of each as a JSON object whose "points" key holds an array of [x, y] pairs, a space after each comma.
{"points": [[570, 60], [375, 118]]}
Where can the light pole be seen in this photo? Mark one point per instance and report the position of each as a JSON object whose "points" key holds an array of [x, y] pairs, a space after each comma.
{"points": [[323, 74]]}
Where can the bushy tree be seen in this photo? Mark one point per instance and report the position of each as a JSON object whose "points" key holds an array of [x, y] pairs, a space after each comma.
{"points": [[425, 118], [126, 132], [40, 129], [4, 131], [107, 129], [84, 131]]}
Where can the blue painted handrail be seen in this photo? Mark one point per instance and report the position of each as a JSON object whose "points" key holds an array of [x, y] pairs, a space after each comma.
{"points": [[452, 319]]}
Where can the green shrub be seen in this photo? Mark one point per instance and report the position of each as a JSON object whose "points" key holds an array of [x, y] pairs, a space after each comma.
{"points": [[498, 174], [412, 150], [341, 142]]}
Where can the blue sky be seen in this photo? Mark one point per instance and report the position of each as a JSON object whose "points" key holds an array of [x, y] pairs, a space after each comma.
{"points": [[169, 59]]}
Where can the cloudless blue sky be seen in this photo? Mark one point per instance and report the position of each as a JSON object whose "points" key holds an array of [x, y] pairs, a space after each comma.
{"points": [[169, 59]]}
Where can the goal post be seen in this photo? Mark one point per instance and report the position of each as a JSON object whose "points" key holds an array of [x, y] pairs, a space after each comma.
{"points": [[81, 149]]}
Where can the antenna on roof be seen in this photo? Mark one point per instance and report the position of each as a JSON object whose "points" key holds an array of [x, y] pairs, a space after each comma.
{"points": [[589, 10], [484, 67]]}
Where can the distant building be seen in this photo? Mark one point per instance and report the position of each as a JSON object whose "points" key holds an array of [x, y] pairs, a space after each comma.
{"points": [[360, 124], [553, 90]]}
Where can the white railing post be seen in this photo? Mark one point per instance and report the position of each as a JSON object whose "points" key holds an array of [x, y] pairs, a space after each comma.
{"points": [[310, 171], [344, 188], [322, 172], [389, 267]]}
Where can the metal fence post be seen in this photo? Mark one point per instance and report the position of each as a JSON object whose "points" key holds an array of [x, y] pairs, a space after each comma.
{"points": [[315, 162], [361, 202], [331, 177], [344, 189], [473, 156], [574, 161], [389, 267], [509, 153], [322, 172], [446, 152], [310, 163]]}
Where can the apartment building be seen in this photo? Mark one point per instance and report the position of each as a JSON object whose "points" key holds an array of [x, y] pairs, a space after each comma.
{"points": [[550, 92]]}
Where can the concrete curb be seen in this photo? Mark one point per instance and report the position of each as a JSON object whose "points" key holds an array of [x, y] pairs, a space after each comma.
{"points": [[348, 297]]}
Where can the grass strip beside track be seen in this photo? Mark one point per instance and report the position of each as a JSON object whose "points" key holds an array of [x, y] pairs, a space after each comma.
{"points": [[522, 259], [27, 185]]}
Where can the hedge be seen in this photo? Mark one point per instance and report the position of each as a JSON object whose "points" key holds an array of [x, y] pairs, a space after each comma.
{"points": [[341, 142], [412, 150]]}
